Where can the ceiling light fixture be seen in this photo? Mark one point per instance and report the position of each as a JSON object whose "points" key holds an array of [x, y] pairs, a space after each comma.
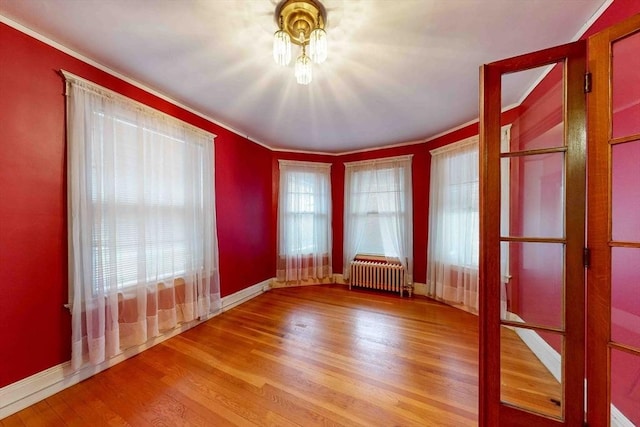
{"points": [[300, 22]]}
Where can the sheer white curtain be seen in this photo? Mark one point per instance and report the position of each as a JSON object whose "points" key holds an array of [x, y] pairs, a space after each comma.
{"points": [[452, 260], [378, 218], [304, 221], [454, 228], [143, 252]]}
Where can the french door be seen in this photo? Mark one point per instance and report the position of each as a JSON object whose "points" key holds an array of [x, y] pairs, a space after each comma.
{"points": [[532, 363], [613, 279], [535, 304]]}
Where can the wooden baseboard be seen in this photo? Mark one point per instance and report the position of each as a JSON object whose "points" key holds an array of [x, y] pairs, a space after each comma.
{"points": [[21, 394], [338, 279], [420, 289], [309, 282], [244, 295]]}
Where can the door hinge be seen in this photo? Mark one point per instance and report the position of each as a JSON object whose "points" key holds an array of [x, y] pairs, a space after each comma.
{"points": [[586, 257], [587, 83]]}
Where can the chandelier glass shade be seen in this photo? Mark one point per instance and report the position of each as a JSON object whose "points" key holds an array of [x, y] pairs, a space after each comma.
{"points": [[300, 22], [318, 45], [303, 70], [281, 48]]}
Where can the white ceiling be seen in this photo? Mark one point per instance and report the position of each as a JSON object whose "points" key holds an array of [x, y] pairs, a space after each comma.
{"points": [[398, 70]]}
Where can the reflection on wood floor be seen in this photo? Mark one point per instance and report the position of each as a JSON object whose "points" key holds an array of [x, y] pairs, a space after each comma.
{"points": [[525, 382], [317, 355]]}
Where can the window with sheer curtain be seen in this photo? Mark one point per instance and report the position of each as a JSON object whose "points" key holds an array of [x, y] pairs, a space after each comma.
{"points": [[454, 227], [378, 216], [304, 221], [142, 243]]}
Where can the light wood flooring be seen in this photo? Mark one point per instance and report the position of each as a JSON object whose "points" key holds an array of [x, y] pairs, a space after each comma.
{"points": [[306, 356]]}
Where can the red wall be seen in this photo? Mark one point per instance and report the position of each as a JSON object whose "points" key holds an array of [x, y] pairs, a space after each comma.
{"points": [[246, 240], [34, 325]]}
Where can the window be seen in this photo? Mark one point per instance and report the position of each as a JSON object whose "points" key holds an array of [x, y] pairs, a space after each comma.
{"points": [[146, 240], [455, 187], [304, 223], [142, 239], [378, 210], [454, 227], [382, 202]]}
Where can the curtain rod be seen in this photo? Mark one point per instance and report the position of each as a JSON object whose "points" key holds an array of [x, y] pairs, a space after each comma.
{"points": [[379, 161], [103, 91], [303, 163]]}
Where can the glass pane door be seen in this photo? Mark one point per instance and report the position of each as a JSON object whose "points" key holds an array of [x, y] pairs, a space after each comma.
{"points": [[613, 369], [532, 273]]}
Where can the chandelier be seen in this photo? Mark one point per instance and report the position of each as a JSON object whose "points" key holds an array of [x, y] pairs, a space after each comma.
{"points": [[301, 22]]}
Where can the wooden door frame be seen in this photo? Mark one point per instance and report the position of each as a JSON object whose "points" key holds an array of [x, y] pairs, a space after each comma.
{"points": [[491, 410], [599, 221]]}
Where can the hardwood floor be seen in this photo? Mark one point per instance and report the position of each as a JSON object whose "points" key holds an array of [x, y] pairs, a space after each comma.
{"points": [[306, 356]]}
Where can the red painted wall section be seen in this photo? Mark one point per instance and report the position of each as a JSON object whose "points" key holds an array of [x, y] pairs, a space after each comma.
{"points": [[34, 325], [618, 11], [244, 217], [337, 192]]}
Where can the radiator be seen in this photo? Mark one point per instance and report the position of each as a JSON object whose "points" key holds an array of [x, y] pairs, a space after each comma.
{"points": [[380, 275]]}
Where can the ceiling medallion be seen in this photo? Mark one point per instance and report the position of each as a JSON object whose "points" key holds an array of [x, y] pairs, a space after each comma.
{"points": [[301, 22]]}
